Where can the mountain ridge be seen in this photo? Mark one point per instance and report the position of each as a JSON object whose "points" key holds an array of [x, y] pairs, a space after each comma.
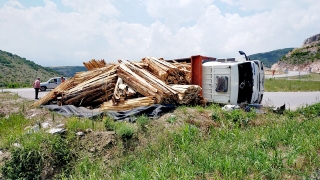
{"points": [[16, 71], [304, 58]]}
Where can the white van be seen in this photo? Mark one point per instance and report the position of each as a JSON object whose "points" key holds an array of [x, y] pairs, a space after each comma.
{"points": [[50, 84]]}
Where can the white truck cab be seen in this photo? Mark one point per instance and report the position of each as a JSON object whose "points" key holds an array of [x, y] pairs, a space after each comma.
{"points": [[233, 81], [50, 84]]}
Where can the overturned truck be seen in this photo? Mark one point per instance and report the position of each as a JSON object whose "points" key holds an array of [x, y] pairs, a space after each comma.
{"points": [[190, 81]]}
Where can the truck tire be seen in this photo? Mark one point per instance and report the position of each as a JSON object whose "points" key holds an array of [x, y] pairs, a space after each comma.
{"points": [[43, 88]]}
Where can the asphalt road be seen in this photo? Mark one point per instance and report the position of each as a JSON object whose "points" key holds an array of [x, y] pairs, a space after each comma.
{"points": [[273, 99], [292, 100], [27, 93], [290, 73]]}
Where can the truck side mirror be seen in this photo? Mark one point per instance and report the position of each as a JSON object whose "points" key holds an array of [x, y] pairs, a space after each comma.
{"points": [[242, 53]]}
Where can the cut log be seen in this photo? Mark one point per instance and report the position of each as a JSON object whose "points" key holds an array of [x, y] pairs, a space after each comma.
{"points": [[93, 64], [122, 92], [188, 94], [128, 104], [145, 83], [167, 72]]}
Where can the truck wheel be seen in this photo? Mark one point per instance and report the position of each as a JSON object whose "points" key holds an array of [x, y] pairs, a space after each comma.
{"points": [[43, 88]]}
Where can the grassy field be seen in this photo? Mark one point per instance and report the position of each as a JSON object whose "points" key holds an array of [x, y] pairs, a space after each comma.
{"points": [[189, 143], [287, 85], [310, 82]]}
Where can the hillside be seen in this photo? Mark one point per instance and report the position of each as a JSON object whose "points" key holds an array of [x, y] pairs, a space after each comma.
{"points": [[68, 71], [304, 58], [20, 72], [269, 58]]}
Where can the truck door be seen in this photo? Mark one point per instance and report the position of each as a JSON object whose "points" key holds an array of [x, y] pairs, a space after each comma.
{"points": [[216, 83], [53, 83]]}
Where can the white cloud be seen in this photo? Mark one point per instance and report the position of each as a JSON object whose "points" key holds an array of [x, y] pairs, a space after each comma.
{"points": [[96, 7], [229, 2], [181, 28], [176, 11], [14, 3]]}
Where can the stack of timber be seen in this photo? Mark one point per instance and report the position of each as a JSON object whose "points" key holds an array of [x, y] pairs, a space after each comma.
{"points": [[188, 94], [145, 83], [166, 71], [93, 64], [94, 91], [127, 85], [128, 104], [186, 67], [122, 92]]}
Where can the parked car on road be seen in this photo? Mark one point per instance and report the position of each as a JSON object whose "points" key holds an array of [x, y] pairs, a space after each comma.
{"points": [[50, 84]]}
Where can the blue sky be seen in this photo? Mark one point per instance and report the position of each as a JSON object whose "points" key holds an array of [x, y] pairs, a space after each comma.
{"points": [[70, 32]]}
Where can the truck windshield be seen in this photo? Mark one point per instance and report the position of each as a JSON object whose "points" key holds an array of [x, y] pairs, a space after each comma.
{"points": [[245, 82]]}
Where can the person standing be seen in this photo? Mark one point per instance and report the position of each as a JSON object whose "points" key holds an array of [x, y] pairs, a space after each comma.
{"points": [[36, 86], [62, 79]]}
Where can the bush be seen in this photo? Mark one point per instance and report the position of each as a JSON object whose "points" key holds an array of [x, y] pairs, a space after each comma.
{"points": [[38, 151], [240, 117], [125, 130], [13, 85], [142, 121], [215, 116], [60, 151], [109, 124], [24, 164]]}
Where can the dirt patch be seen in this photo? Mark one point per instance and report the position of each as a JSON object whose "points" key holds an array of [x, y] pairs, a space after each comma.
{"points": [[199, 118], [11, 103], [98, 143]]}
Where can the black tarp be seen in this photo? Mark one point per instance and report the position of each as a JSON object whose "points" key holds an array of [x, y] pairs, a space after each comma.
{"points": [[153, 111], [71, 110]]}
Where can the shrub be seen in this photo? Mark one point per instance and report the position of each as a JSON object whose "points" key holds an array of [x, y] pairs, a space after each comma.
{"points": [[142, 121], [60, 151], [125, 130], [24, 164], [215, 116], [109, 124]]}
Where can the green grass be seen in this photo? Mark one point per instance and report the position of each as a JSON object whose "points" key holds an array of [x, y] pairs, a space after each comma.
{"points": [[76, 124], [85, 169], [143, 121], [280, 148], [275, 85], [12, 128], [270, 146], [205, 143]]}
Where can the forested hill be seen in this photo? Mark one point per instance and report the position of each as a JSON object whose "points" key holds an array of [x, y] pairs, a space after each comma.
{"points": [[16, 71], [271, 57], [69, 71]]}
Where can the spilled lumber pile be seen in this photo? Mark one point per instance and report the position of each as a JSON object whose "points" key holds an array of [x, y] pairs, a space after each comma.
{"points": [[128, 104], [146, 83], [127, 85], [95, 90], [188, 94], [167, 72], [94, 64]]}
